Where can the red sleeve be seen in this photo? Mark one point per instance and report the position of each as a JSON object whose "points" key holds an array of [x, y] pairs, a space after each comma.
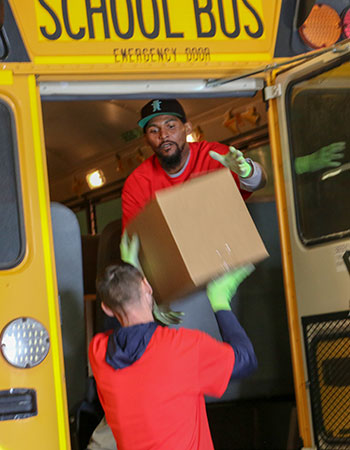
{"points": [[133, 200], [215, 365]]}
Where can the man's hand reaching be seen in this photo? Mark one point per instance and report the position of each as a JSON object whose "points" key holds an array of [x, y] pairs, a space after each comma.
{"points": [[221, 290], [129, 250], [235, 161], [328, 156], [165, 316]]}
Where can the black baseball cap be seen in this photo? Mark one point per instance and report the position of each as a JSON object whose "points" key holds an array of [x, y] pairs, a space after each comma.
{"points": [[158, 107]]}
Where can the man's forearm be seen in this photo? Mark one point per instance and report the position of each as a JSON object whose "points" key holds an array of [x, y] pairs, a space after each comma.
{"points": [[256, 181], [232, 333]]}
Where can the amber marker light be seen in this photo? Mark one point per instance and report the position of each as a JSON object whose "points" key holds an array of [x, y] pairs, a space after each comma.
{"points": [[322, 27]]}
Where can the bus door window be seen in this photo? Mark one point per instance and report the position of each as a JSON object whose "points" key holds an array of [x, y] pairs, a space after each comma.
{"points": [[320, 134]]}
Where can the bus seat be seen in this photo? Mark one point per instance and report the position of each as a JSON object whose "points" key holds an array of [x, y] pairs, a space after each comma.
{"points": [[69, 270], [108, 253], [84, 408]]}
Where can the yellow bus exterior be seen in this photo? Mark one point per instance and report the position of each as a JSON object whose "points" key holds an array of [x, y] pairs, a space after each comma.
{"points": [[101, 41]]}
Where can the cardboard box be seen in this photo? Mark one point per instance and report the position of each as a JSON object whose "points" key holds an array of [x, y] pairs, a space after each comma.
{"points": [[194, 232]]}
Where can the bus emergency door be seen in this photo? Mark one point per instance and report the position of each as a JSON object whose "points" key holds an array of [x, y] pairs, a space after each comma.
{"points": [[311, 105], [33, 411]]}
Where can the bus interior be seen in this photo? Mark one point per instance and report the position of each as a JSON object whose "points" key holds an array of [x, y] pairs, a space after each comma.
{"points": [[85, 133]]}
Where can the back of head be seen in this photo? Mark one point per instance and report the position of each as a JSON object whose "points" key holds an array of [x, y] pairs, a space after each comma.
{"points": [[119, 285]]}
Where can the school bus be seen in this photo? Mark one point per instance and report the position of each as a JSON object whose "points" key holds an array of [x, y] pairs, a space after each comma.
{"points": [[60, 58]]}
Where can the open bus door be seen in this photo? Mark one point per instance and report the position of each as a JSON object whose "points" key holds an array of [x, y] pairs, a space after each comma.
{"points": [[32, 386], [309, 109]]}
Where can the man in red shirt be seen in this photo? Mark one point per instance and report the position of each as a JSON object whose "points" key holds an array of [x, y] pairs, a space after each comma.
{"points": [[176, 161], [151, 380]]}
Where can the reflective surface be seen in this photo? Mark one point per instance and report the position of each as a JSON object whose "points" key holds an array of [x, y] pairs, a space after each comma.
{"points": [[320, 152], [25, 342]]}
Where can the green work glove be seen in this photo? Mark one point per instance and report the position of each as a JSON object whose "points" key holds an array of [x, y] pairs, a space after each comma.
{"points": [[324, 157], [235, 161], [129, 250], [221, 291], [165, 316]]}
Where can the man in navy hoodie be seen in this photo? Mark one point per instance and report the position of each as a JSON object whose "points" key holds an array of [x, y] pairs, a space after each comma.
{"points": [[152, 380]]}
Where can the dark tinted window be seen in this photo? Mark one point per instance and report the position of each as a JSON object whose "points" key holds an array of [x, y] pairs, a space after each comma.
{"points": [[11, 230], [108, 211], [320, 138]]}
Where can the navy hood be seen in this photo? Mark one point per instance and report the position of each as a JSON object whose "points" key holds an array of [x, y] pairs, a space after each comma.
{"points": [[127, 344]]}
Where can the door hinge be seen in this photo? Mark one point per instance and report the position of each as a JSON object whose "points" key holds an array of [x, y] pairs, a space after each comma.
{"points": [[271, 92]]}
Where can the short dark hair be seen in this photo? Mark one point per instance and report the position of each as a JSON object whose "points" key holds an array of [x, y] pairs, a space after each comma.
{"points": [[118, 285]]}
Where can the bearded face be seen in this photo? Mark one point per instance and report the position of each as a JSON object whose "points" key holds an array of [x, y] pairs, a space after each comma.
{"points": [[166, 135]]}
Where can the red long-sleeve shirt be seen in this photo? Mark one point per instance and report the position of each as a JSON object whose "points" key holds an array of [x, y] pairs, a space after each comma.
{"points": [[150, 177]]}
